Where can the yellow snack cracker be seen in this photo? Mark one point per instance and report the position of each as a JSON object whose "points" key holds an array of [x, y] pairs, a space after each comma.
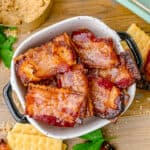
{"points": [[19, 141], [64, 146], [26, 137], [124, 45], [25, 129], [141, 38]]}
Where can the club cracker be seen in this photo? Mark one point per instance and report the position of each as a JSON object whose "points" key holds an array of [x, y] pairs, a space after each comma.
{"points": [[141, 38], [26, 137]]}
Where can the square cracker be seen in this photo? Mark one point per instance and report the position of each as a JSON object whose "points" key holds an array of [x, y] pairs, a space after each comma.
{"points": [[141, 38], [26, 137]]}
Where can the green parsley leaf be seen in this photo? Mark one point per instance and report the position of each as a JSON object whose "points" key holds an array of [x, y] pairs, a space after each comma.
{"points": [[6, 45], [6, 56], [12, 28], [2, 28], [2, 37], [82, 146], [94, 141], [96, 145], [92, 145], [95, 135], [5, 27]]}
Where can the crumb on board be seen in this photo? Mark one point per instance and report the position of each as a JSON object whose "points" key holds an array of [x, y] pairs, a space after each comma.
{"points": [[5, 127], [141, 107]]}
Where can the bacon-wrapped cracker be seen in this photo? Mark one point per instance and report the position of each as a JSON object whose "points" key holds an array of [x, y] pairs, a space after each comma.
{"points": [[94, 52], [108, 100], [54, 106], [47, 60]]}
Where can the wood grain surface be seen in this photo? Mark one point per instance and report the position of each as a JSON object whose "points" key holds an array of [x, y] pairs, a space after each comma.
{"points": [[132, 130]]}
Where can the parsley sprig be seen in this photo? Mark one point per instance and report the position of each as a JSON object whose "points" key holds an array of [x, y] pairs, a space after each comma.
{"points": [[94, 141], [6, 45]]}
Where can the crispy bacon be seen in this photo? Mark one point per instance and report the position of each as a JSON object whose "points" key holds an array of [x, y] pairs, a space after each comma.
{"points": [[130, 65], [76, 80], [4, 145], [94, 52], [47, 60], [89, 108], [108, 100], [123, 75], [55, 106], [144, 83], [147, 68], [64, 89]]}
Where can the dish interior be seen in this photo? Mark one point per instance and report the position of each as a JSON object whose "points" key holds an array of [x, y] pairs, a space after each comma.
{"points": [[38, 38]]}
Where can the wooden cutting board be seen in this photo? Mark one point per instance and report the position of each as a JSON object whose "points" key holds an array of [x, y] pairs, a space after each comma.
{"points": [[132, 130]]}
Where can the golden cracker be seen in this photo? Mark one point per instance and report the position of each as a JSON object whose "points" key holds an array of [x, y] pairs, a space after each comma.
{"points": [[21, 141], [64, 146], [26, 137], [124, 45], [25, 129], [141, 38]]}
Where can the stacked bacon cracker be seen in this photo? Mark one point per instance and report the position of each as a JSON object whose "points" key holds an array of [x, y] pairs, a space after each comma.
{"points": [[143, 42]]}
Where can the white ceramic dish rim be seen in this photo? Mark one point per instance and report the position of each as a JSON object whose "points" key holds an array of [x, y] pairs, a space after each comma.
{"points": [[17, 89]]}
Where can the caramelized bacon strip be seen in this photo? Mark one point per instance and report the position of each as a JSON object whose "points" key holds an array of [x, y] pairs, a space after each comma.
{"points": [[123, 75], [55, 106], [144, 83], [130, 65], [3, 145], [76, 80], [89, 108], [107, 99], [147, 67], [46, 61], [94, 52]]}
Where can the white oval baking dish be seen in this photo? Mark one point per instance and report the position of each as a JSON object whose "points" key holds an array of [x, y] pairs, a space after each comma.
{"points": [[42, 36]]}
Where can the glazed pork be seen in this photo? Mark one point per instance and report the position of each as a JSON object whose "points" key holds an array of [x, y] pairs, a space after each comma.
{"points": [[55, 106], [47, 60], [147, 68], [94, 52], [125, 74], [4, 145], [76, 80], [108, 100]]}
